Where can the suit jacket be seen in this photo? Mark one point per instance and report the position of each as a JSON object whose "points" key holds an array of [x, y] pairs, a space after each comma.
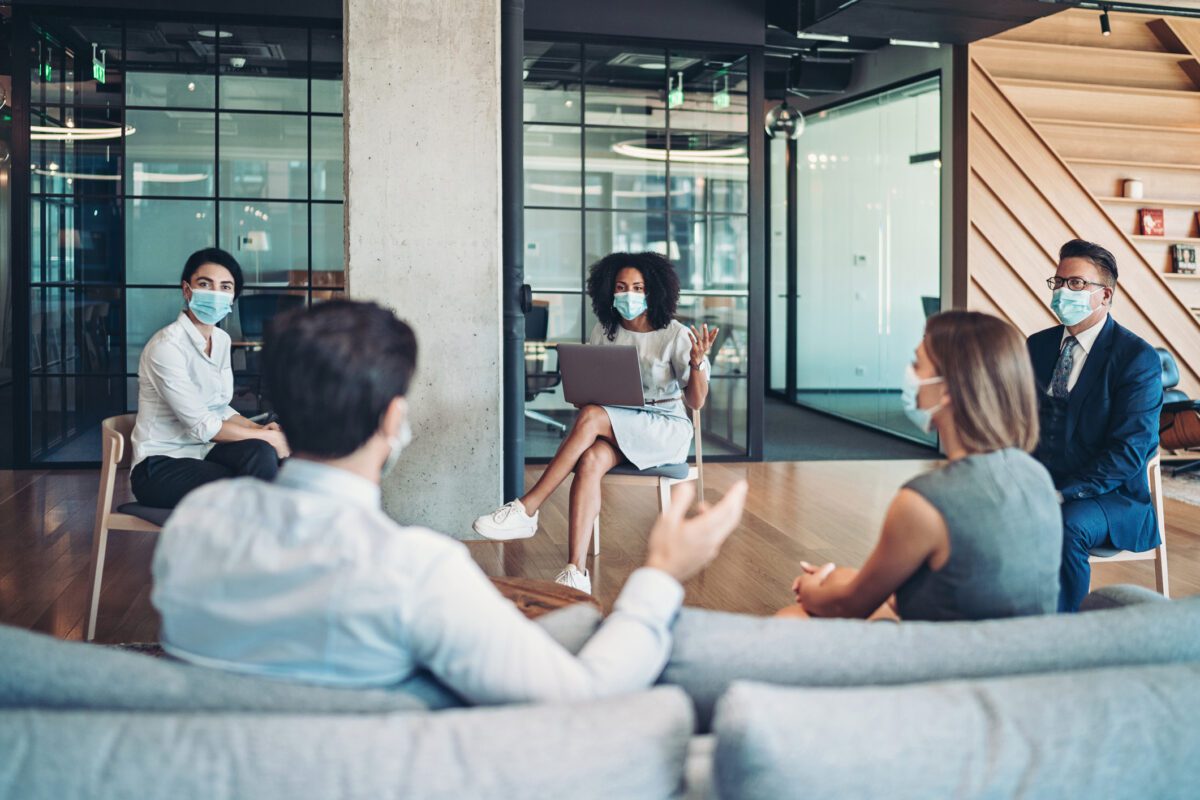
{"points": [[1112, 428]]}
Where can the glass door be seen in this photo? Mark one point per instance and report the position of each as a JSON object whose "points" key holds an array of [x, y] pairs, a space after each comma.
{"points": [[866, 264]]}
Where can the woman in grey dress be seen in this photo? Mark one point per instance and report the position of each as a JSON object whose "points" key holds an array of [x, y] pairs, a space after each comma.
{"points": [[981, 536], [634, 296]]}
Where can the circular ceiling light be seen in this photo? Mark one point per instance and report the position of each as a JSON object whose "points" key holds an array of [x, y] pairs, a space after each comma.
{"points": [[657, 151]]}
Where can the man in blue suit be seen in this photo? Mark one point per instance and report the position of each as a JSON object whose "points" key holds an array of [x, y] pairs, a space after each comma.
{"points": [[1100, 393]]}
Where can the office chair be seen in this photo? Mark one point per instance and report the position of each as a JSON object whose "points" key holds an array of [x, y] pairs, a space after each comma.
{"points": [[254, 312], [1179, 420], [539, 380]]}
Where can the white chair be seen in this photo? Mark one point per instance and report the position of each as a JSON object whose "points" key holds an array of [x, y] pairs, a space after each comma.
{"points": [[1109, 555], [663, 478], [115, 455]]}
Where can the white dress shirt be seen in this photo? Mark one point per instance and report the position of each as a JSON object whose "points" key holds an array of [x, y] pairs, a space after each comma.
{"points": [[183, 393], [306, 578], [1086, 339]]}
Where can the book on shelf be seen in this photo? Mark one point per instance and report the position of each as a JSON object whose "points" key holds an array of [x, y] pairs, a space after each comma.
{"points": [[1183, 259], [1151, 221]]}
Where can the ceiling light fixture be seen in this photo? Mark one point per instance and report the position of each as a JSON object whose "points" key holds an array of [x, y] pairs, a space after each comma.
{"points": [[718, 155], [914, 43], [50, 133], [785, 121], [211, 34], [823, 37], [1105, 24], [168, 177]]}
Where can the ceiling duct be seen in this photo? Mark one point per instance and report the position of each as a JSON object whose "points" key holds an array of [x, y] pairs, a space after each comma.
{"points": [[809, 76], [946, 21]]}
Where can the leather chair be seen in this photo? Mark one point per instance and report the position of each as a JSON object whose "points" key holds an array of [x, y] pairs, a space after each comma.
{"points": [[1179, 421]]}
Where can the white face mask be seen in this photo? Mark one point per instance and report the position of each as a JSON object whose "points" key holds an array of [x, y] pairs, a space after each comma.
{"points": [[398, 442], [921, 417]]}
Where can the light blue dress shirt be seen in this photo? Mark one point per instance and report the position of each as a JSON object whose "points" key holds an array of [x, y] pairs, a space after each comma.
{"points": [[307, 579]]}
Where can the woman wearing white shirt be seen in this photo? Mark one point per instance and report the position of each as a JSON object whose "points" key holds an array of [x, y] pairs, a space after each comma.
{"points": [[634, 296], [186, 433]]}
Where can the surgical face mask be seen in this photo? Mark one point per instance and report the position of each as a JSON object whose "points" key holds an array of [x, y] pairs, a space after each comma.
{"points": [[398, 442], [630, 305], [1072, 307], [210, 307], [921, 417]]}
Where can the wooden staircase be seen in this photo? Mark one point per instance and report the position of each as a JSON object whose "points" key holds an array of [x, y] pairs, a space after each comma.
{"points": [[1059, 117]]}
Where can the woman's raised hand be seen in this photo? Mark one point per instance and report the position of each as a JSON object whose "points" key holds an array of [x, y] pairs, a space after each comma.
{"points": [[702, 342]]}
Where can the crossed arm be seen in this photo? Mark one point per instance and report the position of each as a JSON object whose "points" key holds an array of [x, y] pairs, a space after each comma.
{"points": [[913, 533]]}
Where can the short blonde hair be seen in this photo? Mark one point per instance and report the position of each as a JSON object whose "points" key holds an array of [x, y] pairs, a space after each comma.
{"points": [[989, 377]]}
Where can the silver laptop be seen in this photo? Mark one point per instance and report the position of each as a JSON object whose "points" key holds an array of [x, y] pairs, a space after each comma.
{"points": [[600, 374]]}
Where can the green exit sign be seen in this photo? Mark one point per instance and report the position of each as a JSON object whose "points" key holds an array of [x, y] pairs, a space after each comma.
{"points": [[721, 99], [46, 72], [98, 70], [675, 91]]}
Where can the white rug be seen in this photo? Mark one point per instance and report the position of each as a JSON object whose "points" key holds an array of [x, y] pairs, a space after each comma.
{"points": [[1184, 487]]}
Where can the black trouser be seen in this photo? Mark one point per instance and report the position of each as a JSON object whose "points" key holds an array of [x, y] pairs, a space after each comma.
{"points": [[162, 481]]}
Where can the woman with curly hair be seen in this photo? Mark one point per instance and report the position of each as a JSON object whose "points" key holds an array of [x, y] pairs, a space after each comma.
{"points": [[634, 296]]}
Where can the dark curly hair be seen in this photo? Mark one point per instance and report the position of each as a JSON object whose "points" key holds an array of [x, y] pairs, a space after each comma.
{"points": [[662, 288]]}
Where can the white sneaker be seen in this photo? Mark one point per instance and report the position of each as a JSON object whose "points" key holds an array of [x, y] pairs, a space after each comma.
{"points": [[576, 578], [507, 522]]}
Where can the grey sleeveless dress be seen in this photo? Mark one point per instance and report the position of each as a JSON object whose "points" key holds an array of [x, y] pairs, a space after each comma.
{"points": [[1006, 541]]}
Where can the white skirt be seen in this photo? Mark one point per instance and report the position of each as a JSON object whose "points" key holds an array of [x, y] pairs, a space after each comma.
{"points": [[650, 437]]}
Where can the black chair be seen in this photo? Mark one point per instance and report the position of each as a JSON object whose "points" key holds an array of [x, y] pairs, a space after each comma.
{"points": [[539, 380], [254, 312], [1179, 421]]}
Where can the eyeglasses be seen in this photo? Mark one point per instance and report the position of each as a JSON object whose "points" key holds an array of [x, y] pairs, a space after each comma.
{"points": [[1074, 284]]}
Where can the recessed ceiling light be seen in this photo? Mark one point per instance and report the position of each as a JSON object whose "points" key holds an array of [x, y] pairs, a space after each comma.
{"points": [[211, 34], [653, 65]]}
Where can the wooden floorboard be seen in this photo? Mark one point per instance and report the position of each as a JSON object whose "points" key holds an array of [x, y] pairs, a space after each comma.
{"points": [[815, 511]]}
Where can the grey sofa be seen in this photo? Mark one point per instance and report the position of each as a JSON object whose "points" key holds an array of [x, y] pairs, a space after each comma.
{"points": [[815, 709]]}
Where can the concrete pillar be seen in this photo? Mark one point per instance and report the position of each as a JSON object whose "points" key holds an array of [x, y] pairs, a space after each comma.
{"points": [[423, 235]]}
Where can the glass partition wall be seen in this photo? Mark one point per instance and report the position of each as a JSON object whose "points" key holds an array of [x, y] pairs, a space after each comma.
{"points": [[631, 148], [149, 140], [866, 263]]}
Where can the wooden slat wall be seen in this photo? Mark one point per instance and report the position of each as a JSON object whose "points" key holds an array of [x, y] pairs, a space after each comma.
{"points": [[1058, 117]]}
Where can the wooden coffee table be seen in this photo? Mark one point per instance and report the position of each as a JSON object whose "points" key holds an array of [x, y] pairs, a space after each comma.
{"points": [[535, 598]]}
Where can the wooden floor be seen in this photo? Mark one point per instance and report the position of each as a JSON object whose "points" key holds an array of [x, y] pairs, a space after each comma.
{"points": [[817, 511]]}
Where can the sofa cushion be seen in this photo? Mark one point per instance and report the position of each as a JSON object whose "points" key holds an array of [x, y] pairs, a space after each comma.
{"points": [[1124, 732], [40, 671], [624, 747], [713, 649]]}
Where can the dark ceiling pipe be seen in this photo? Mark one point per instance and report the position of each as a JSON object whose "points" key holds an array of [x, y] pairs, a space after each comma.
{"points": [[515, 294]]}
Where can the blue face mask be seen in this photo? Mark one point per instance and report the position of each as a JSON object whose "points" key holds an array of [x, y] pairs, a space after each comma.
{"points": [[630, 305], [210, 307], [921, 417], [1072, 307]]}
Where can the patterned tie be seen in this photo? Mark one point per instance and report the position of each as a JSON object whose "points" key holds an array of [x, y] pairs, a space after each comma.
{"points": [[1062, 370]]}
